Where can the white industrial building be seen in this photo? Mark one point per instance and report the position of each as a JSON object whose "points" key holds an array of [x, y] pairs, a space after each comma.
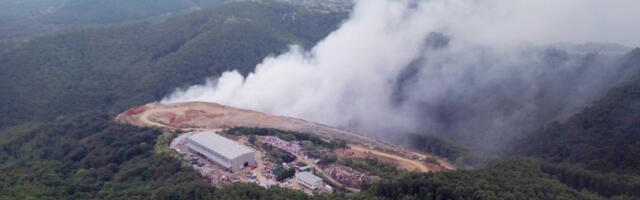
{"points": [[309, 180], [226, 152]]}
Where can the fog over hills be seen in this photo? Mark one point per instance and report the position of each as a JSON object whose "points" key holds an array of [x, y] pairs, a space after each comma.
{"points": [[477, 72]]}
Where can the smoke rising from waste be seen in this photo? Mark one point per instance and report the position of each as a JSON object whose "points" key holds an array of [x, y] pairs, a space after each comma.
{"points": [[470, 69]]}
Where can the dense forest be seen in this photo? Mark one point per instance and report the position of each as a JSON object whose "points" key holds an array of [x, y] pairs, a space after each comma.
{"points": [[112, 69], [60, 92], [604, 136], [21, 19], [88, 156]]}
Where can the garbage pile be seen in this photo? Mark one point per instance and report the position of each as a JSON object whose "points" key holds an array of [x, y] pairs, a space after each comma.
{"points": [[284, 145], [347, 175]]}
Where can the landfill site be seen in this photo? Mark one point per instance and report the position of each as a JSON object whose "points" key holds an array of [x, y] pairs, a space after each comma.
{"points": [[228, 145]]}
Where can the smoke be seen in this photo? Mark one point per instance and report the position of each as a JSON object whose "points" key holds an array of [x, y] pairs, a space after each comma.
{"points": [[470, 70]]}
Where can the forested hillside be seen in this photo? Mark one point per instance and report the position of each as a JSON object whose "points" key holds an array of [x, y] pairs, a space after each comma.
{"points": [[111, 69], [77, 12], [22, 19], [604, 136], [60, 92], [88, 156], [597, 149]]}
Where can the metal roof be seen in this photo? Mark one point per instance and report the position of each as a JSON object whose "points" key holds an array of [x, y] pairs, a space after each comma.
{"points": [[308, 177], [220, 144]]}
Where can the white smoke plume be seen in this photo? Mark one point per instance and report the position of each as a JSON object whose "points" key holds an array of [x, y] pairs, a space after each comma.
{"points": [[456, 67]]}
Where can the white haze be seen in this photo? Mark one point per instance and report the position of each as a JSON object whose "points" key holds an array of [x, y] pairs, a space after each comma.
{"points": [[385, 71]]}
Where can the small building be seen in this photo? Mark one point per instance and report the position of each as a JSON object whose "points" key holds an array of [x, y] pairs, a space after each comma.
{"points": [[328, 189], [227, 153], [309, 180]]}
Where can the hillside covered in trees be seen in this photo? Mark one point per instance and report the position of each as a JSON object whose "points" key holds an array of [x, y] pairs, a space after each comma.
{"points": [[23, 19], [603, 136], [88, 156], [60, 92], [112, 69]]}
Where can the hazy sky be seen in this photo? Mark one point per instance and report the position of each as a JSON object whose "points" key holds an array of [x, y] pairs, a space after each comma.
{"points": [[547, 20]]}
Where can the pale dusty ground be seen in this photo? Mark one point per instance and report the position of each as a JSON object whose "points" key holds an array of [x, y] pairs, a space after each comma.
{"points": [[201, 115], [400, 162], [212, 116]]}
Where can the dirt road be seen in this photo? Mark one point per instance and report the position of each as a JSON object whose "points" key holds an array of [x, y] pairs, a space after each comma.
{"points": [[205, 115], [329, 178], [404, 163], [212, 116]]}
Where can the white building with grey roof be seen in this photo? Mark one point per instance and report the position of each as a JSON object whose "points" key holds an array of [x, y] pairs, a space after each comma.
{"points": [[223, 151], [309, 180]]}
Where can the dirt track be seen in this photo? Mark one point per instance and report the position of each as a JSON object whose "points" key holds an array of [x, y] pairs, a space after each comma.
{"points": [[400, 162], [202, 115]]}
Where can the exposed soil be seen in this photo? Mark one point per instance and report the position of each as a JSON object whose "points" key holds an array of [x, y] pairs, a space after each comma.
{"points": [[208, 116], [202, 115], [357, 151]]}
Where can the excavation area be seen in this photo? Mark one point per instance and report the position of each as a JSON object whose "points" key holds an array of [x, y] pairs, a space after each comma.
{"points": [[292, 160], [228, 145]]}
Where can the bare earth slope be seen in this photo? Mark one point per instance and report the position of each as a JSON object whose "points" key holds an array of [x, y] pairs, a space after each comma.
{"points": [[203, 115]]}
